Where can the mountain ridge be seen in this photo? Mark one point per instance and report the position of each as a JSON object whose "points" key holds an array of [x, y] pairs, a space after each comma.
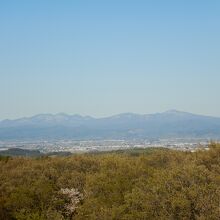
{"points": [[168, 124], [171, 111]]}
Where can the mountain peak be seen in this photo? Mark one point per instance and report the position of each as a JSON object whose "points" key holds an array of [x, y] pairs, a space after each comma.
{"points": [[174, 111], [62, 114]]}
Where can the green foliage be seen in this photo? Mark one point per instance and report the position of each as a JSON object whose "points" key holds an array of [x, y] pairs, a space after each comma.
{"points": [[123, 185]]}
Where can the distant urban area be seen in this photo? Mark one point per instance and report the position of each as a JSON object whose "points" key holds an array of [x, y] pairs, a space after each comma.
{"points": [[74, 146], [62, 133]]}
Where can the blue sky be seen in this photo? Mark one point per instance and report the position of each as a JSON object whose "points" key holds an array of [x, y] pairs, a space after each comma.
{"points": [[101, 58]]}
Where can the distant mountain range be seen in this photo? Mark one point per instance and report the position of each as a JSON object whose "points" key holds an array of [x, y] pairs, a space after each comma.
{"points": [[169, 124]]}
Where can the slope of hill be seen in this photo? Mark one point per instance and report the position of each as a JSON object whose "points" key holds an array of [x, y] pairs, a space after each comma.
{"points": [[14, 152], [146, 184], [128, 125]]}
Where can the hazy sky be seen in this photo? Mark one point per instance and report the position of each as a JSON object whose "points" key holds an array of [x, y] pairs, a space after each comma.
{"points": [[105, 57]]}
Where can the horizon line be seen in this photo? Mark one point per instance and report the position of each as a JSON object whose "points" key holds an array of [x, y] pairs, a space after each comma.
{"points": [[107, 116]]}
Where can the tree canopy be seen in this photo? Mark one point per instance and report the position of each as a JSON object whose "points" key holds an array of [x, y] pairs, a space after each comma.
{"points": [[124, 185]]}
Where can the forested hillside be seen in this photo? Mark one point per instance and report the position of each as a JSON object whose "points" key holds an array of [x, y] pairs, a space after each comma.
{"points": [[142, 184]]}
